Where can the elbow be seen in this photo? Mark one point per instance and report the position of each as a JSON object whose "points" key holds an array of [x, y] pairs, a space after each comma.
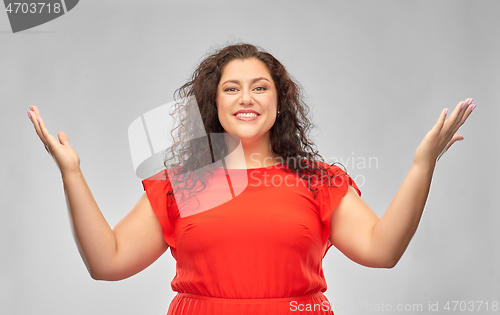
{"points": [[95, 272], [391, 263], [376, 261], [384, 262], [96, 276], [108, 275], [383, 265], [100, 276]]}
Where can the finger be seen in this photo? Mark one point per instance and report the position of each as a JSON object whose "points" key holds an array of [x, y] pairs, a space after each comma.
{"points": [[466, 105], [35, 120], [441, 119], [467, 113], [466, 109], [469, 101], [456, 113], [51, 141], [456, 137], [463, 110], [35, 109], [454, 122], [460, 109], [63, 139]]}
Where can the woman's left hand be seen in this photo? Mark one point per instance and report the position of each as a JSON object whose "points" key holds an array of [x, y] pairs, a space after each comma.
{"points": [[440, 138]]}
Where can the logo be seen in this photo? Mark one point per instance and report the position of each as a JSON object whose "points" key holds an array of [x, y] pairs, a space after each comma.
{"points": [[24, 15], [150, 135]]}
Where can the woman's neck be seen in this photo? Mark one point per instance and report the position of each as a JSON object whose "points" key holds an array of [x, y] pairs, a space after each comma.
{"points": [[245, 154]]}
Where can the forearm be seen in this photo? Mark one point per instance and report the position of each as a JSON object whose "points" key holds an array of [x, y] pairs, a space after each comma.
{"points": [[394, 230], [93, 235]]}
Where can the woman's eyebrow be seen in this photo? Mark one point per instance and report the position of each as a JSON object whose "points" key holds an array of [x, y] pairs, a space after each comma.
{"points": [[253, 81]]}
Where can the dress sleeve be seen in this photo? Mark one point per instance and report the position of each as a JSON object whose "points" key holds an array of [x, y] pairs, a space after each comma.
{"points": [[157, 187], [330, 196]]}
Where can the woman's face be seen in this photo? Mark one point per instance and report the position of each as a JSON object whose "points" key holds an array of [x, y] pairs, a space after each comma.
{"points": [[247, 100]]}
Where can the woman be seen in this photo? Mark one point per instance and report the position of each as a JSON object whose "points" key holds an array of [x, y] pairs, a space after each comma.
{"points": [[260, 251]]}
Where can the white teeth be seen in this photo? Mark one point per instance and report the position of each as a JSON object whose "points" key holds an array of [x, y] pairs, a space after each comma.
{"points": [[246, 115]]}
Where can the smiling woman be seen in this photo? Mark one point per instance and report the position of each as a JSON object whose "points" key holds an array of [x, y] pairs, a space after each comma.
{"points": [[247, 104], [259, 251], [243, 78]]}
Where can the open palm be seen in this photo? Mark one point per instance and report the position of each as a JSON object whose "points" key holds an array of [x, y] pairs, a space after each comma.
{"points": [[442, 136], [64, 155]]}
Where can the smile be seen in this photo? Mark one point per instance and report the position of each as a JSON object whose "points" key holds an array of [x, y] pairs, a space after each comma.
{"points": [[246, 116]]}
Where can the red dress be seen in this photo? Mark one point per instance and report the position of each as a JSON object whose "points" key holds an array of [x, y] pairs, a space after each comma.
{"points": [[259, 253]]}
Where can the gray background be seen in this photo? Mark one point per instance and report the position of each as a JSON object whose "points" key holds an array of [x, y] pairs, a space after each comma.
{"points": [[376, 74]]}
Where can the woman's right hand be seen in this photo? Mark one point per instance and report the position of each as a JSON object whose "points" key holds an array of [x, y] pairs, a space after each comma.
{"points": [[66, 158]]}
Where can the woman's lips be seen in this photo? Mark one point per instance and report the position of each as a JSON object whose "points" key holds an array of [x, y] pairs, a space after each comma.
{"points": [[246, 118]]}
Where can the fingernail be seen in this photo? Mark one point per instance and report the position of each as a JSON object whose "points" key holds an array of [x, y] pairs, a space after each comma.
{"points": [[461, 139], [470, 101], [446, 111], [29, 115], [463, 104], [31, 107], [37, 120], [473, 107]]}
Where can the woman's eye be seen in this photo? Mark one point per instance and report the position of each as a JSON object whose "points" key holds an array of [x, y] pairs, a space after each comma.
{"points": [[230, 90], [260, 88]]}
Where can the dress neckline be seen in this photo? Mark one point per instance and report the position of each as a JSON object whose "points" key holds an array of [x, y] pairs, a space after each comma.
{"points": [[277, 166]]}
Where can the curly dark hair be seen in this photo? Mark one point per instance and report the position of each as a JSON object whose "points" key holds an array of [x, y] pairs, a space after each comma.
{"points": [[289, 136]]}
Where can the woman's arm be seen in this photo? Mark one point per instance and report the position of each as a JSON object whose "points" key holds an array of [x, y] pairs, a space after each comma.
{"points": [[380, 242], [359, 233], [94, 237], [136, 241]]}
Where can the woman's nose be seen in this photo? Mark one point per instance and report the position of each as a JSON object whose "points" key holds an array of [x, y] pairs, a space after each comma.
{"points": [[246, 97]]}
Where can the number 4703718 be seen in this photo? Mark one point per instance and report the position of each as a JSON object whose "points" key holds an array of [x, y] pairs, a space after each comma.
{"points": [[23, 7], [471, 306]]}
